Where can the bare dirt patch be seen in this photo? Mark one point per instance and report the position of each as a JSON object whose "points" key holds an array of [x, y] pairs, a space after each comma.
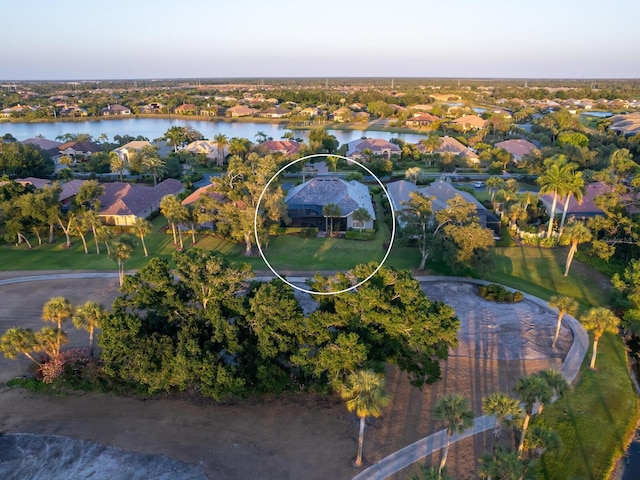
{"points": [[287, 438]]}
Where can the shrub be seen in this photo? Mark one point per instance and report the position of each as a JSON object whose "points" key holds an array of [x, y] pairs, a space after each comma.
{"points": [[497, 293], [368, 234], [304, 232]]}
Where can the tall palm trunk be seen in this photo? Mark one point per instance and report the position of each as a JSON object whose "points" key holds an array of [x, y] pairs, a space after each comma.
{"points": [[95, 238], [592, 365], [248, 251], [572, 252], [552, 214], [564, 215], [51, 233], [525, 425], [445, 453], [360, 442], [144, 245], [91, 342]]}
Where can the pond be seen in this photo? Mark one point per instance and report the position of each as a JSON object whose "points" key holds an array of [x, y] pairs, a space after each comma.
{"points": [[153, 128]]}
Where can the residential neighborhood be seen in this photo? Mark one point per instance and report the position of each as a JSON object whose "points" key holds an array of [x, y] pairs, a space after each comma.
{"points": [[274, 244]]}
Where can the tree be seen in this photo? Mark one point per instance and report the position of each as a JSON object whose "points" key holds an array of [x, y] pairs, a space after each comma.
{"points": [[565, 305], [575, 234], [556, 381], [413, 174], [504, 464], [554, 180], [239, 190], [418, 223], [151, 162], [494, 184], [453, 410], [364, 394], [171, 208], [142, 227], [120, 252], [221, 142], [89, 317], [362, 216], [540, 439], [117, 164], [531, 389], [239, 146], [19, 340], [331, 210], [57, 310], [574, 187], [503, 406], [599, 321], [175, 136], [332, 163]]}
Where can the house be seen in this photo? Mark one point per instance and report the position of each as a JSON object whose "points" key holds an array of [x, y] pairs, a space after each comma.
{"points": [[116, 109], [422, 120], [73, 111], [305, 203], [240, 111], [518, 148], [342, 115], [213, 111], [68, 190], [585, 209], [288, 148], [627, 125], [453, 146], [186, 109], [470, 122], [274, 112], [153, 107], [377, 147], [208, 148], [79, 150], [442, 192], [126, 151], [50, 148], [122, 203]]}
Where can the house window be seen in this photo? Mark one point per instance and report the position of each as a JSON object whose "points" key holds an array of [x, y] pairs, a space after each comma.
{"points": [[357, 224]]}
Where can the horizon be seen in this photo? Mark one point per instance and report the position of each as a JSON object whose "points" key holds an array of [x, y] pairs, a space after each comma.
{"points": [[77, 40]]}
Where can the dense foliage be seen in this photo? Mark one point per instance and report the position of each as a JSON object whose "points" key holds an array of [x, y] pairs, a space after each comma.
{"points": [[212, 330]]}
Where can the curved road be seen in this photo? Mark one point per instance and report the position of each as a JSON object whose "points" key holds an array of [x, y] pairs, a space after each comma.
{"points": [[410, 454]]}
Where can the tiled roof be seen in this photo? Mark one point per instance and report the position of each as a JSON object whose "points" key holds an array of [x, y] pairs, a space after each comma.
{"points": [[43, 143], [288, 147], [85, 147], [587, 207], [471, 120], [195, 196], [70, 188], [517, 147], [322, 190], [376, 145], [133, 199]]}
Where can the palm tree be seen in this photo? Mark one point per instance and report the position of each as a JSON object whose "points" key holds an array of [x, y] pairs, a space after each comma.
{"points": [[175, 136], [221, 142], [361, 215], [238, 146], [141, 228], [493, 185], [454, 410], [332, 163], [117, 164], [503, 406], [89, 317], [541, 439], [331, 210], [413, 174], [554, 181], [504, 464], [151, 162], [599, 320], [576, 233], [574, 188], [531, 389], [169, 207], [364, 394], [430, 473], [57, 310], [564, 304], [556, 381], [120, 252], [19, 340], [50, 339]]}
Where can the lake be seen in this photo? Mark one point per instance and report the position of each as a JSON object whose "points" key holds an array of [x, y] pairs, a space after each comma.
{"points": [[153, 128]]}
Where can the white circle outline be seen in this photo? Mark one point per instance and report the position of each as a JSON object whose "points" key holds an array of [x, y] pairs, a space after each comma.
{"points": [[255, 224]]}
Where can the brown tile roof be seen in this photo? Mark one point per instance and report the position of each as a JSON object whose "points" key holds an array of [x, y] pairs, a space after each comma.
{"points": [[195, 196], [70, 188], [133, 199], [517, 147], [38, 183], [471, 121], [85, 147], [287, 147]]}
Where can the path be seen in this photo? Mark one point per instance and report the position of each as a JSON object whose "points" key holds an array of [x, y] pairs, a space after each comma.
{"points": [[401, 459]]}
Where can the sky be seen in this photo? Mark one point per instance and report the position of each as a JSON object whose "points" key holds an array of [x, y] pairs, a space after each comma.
{"points": [[136, 39]]}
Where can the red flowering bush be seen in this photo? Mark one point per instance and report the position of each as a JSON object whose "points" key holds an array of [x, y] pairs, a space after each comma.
{"points": [[70, 361]]}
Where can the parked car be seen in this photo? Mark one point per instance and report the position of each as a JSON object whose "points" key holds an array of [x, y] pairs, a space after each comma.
{"points": [[478, 184]]}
